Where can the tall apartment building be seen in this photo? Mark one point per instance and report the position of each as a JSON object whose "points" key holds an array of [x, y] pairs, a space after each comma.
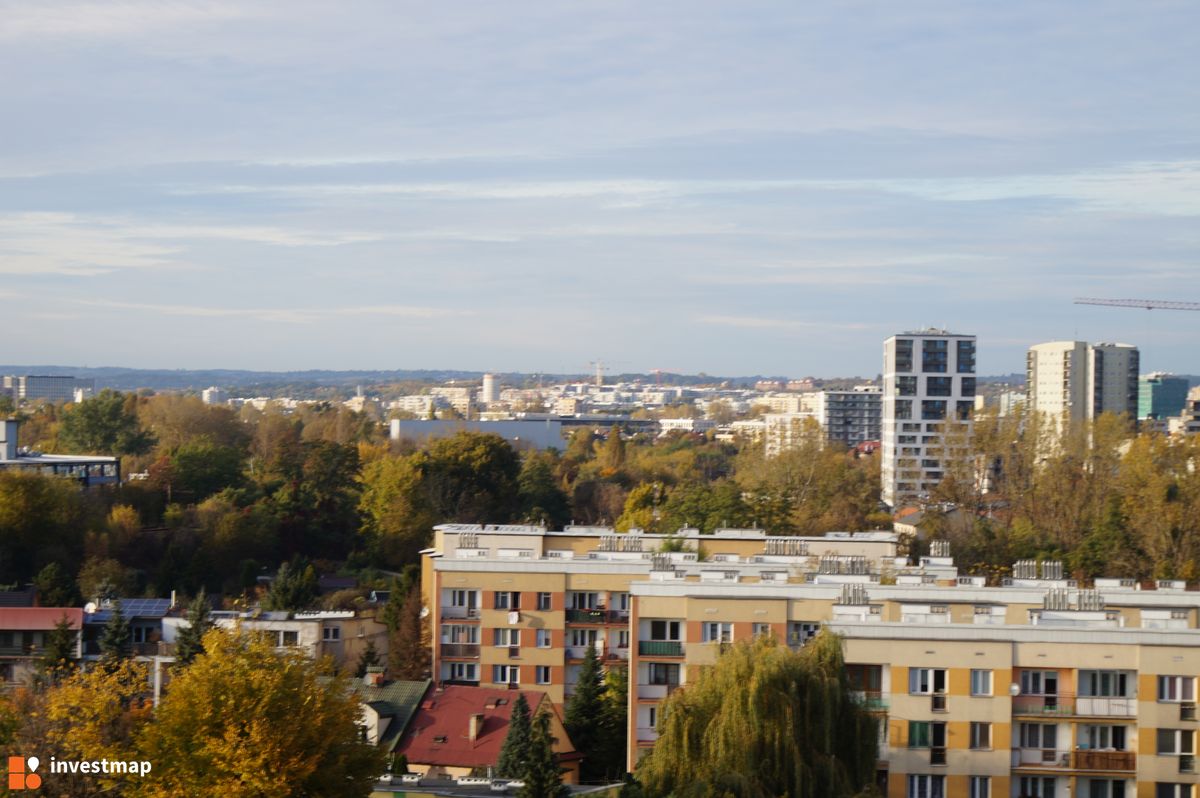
{"points": [[1161, 396], [928, 391], [846, 419], [35, 387], [1038, 687], [1077, 381]]}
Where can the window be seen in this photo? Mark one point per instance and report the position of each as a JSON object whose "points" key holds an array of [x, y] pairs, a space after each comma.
{"points": [[932, 409], [904, 408], [544, 601], [1176, 688], [918, 734], [1037, 787], [1102, 736], [583, 637], [468, 599], [981, 735], [965, 362], [620, 602], [141, 634], [1164, 790], [980, 787], [800, 632], [963, 410], [934, 356], [1103, 683], [331, 634], [1039, 682], [583, 601], [981, 681], [1039, 735], [664, 630], [506, 637], [968, 386], [904, 354], [906, 386], [1173, 742], [939, 386], [664, 673], [460, 633], [508, 600], [543, 638], [762, 630], [506, 674], [622, 638], [926, 681], [652, 715], [717, 632], [868, 678], [289, 638], [923, 785], [542, 674], [462, 671], [1104, 788]]}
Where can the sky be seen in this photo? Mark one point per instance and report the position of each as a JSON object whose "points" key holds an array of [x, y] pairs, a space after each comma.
{"points": [[730, 188]]}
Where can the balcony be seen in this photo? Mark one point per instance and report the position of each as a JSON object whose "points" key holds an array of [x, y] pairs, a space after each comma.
{"points": [[1105, 760], [1040, 758], [871, 700], [1106, 706], [461, 612], [656, 690], [598, 616], [1187, 710], [645, 734], [937, 702], [660, 648], [1187, 763], [937, 756], [460, 650], [514, 652], [1043, 705]]}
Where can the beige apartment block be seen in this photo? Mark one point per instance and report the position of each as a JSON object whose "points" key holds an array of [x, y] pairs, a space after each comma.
{"points": [[1037, 687]]}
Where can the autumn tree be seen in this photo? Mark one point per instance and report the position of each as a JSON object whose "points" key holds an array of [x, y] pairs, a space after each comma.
{"points": [[106, 423], [408, 656], [764, 721], [245, 720]]}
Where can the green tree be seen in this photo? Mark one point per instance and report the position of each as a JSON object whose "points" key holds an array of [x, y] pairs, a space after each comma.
{"points": [[116, 640], [542, 499], [369, 658], [515, 753], [200, 468], [55, 588], [42, 520], [765, 721], [543, 774], [189, 642], [245, 720], [294, 586], [583, 714], [613, 727], [107, 423], [58, 655], [612, 453]]}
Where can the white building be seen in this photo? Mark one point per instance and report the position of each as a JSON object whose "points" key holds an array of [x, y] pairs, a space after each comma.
{"points": [[214, 396], [36, 387], [928, 390], [1077, 381], [490, 392]]}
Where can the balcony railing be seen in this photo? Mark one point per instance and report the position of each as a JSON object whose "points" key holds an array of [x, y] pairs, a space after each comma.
{"points": [[937, 702], [1119, 706], [660, 648], [645, 734], [598, 616], [460, 612], [1040, 758], [1043, 705], [656, 690], [1187, 763], [1187, 710], [871, 700], [937, 756], [460, 649], [1105, 760]]}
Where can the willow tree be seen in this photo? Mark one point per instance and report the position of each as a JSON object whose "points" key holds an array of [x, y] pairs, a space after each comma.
{"points": [[763, 722]]}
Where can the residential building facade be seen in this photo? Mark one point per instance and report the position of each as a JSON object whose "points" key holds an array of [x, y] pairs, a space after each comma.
{"points": [[928, 397], [1074, 381]]}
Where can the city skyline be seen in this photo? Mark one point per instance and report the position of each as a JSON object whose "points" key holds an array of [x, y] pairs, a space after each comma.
{"points": [[528, 189]]}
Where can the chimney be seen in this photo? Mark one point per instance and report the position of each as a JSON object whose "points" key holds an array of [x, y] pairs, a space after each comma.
{"points": [[373, 677], [474, 727], [8, 443]]}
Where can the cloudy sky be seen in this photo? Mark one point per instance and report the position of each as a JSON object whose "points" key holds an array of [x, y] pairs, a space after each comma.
{"points": [[736, 188]]}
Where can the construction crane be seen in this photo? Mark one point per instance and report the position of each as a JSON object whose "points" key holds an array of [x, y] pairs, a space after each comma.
{"points": [[1148, 304]]}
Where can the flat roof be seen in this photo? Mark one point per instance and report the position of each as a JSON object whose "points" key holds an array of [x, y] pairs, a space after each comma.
{"points": [[58, 459], [1013, 633]]}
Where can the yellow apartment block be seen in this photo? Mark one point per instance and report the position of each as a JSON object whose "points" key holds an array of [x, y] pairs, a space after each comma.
{"points": [[1036, 688]]}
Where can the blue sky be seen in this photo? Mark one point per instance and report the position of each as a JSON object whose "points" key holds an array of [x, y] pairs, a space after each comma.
{"points": [[733, 188]]}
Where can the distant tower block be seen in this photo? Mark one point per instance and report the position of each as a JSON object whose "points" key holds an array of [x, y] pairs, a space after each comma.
{"points": [[491, 390]]}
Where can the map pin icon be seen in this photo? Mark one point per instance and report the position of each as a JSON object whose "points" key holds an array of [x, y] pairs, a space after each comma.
{"points": [[33, 763]]}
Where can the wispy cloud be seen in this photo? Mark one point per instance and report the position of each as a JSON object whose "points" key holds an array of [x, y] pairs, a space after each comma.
{"points": [[279, 314]]}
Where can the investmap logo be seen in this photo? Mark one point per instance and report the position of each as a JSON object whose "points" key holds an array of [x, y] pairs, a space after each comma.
{"points": [[22, 773]]}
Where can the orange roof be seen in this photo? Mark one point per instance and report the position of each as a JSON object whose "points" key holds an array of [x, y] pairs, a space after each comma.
{"points": [[34, 619], [439, 733]]}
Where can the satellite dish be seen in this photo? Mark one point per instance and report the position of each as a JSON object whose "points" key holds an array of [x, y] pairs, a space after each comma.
{"points": [[1014, 689], [90, 608]]}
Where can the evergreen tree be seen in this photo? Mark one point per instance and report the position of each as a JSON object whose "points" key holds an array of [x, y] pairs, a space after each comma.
{"points": [[610, 749], [189, 643], [515, 752], [409, 656], [294, 586], [542, 774], [58, 655], [583, 713], [116, 641], [368, 659], [55, 588], [765, 721]]}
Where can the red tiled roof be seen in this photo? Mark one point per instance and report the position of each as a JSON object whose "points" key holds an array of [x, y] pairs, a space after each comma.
{"points": [[34, 619], [446, 715]]}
